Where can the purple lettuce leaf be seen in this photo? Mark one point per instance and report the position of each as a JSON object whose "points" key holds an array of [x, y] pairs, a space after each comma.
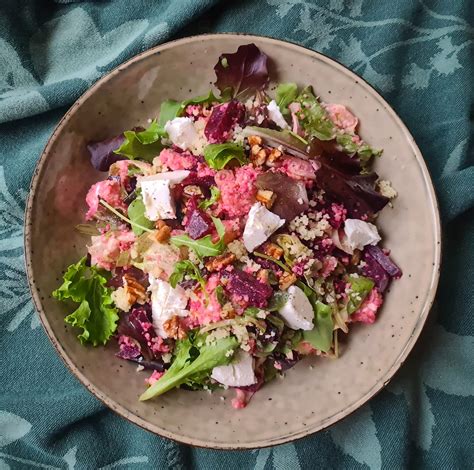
{"points": [[291, 195], [242, 73], [102, 153], [356, 191], [222, 120]]}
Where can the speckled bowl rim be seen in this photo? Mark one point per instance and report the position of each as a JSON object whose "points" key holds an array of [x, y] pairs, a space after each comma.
{"points": [[306, 431]]}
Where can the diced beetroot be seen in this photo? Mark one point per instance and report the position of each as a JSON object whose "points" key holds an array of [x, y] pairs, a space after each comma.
{"points": [[246, 289], [222, 120], [387, 264], [198, 224], [374, 271], [129, 348]]}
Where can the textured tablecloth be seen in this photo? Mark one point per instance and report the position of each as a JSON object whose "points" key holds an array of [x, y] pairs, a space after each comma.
{"points": [[420, 55]]}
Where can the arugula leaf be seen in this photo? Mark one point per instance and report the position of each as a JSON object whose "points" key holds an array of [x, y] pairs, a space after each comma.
{"points": [[286, 93], [203, 246], [193, 359], [217, 156], [215, 195], [169, 109], [360, 288], [320, 337], [315, 119], [185, 268], [363, 150], [145, 145], [121, 216], [95, 315], [136, 214]]}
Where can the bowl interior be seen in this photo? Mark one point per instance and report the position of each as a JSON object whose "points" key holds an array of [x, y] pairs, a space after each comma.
{"points": [[307, 399]]}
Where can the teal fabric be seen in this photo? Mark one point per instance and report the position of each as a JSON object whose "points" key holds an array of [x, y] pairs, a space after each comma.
{"points": [[418, 54]]}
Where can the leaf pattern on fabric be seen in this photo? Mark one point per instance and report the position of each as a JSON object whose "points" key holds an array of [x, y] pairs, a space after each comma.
{"points": [[77, 31], [439, 351], [281, 457], [357, 437], [12, 428]]}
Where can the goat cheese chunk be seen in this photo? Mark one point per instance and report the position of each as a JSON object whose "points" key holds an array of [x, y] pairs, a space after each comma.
{"points": [[297, 312], [166, 302], [261, 223], [156, 194], [182, 132], [360, 233], [237, 374], [275, 115]]}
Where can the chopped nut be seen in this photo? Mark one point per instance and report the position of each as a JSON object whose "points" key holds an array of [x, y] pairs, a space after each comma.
{"points": [[266, 197], [220, 262], [262, 275], [164, 232], [228, 311], [286, 280], [259, 158], [192, 190], [173, 328], [273, 250], [273, 156], [356, 257], [130, 293], [255, 149], [255, 140]]}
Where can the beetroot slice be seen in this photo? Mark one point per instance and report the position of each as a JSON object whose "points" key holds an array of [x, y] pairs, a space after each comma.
{"points": [[248, 289], [223, 118]]}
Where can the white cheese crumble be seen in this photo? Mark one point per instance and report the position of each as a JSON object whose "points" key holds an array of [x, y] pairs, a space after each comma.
{"points": [[182, 132], [275, 115], [360, 233], [386, 189], [297, 311], [166, 302], [261, 223], [156, 194], [240, 373]]}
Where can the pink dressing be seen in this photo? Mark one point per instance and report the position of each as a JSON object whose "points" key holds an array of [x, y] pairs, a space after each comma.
{"points": [[202, 310], [237, 189], [109, 191], [342, 117], [154, 377], [177, 160], [369, 307], [296, 168], [106, 248]]}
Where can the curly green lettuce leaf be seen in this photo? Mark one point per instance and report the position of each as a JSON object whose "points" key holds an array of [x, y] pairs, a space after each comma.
{"points": [[321, 336], [193, 362], [203, 246], [143, 145], [360, 288], [217, 156], [364, 151], [286, 93], [136, 214], [215, 195], [96, 315]]}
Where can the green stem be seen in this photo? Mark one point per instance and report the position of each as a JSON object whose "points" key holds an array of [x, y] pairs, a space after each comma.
{"points": [[121, 216]]}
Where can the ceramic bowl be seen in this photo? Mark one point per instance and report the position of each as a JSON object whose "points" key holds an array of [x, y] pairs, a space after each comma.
{"points": [[308, 399]]}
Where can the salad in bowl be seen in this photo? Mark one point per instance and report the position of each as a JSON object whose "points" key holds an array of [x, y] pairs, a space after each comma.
{"points": [[232, 236]]}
